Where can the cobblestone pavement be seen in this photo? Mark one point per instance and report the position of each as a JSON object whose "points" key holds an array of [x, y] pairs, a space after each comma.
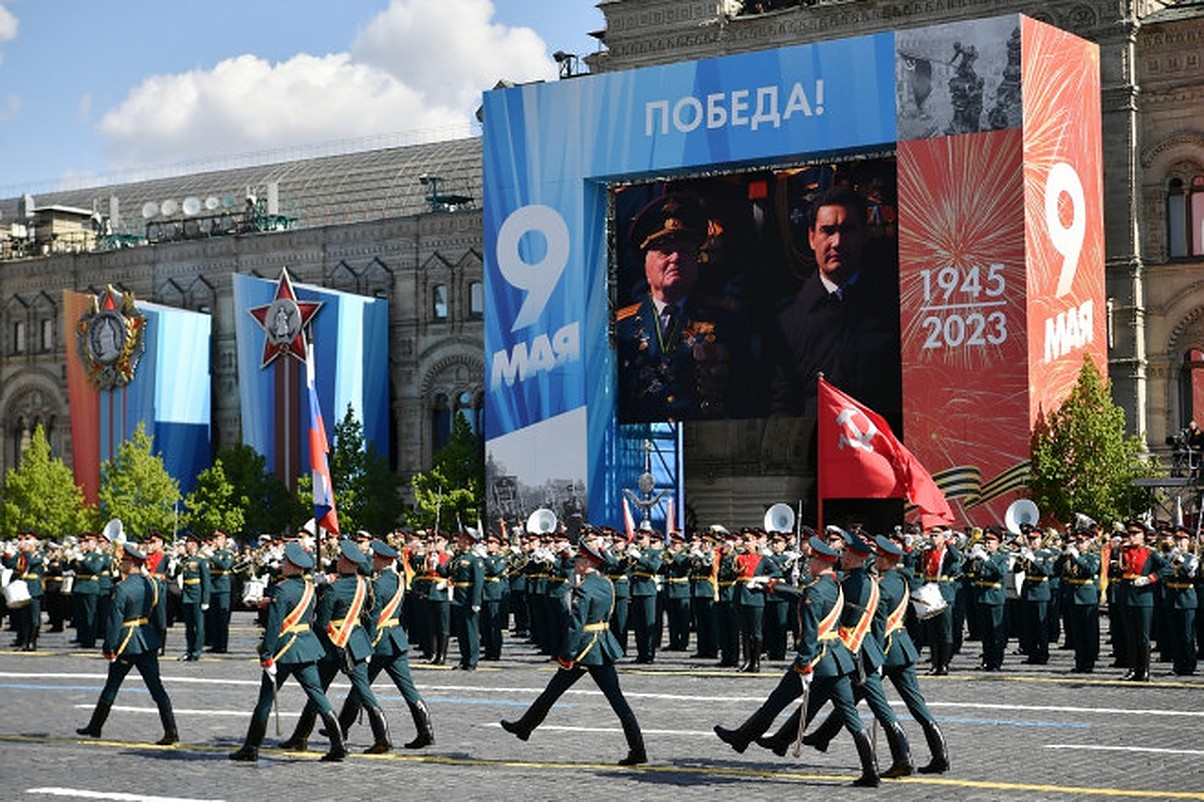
{"points": [[1028, 733]]}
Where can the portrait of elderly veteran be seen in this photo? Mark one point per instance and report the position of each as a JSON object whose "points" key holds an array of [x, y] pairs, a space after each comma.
{"points": [[680, 357], [844, 320]]}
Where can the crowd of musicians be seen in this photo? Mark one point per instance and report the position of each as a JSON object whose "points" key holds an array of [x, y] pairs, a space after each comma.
{"points": [[842, 609]]}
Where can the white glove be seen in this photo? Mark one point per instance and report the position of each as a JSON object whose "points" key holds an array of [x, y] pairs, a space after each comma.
{"points": [[1141, 581], [633, 553], [978, 553], [1073, 552], [270, 669], [755, 582], [1027, 554], [204, 607], [476, 608]]}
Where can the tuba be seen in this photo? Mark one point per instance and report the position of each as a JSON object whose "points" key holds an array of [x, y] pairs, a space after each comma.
{"points": [[542, 521], [1020, 512], [779, 518]]}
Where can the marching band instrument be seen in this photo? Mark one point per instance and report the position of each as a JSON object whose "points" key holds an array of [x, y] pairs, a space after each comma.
{"points": [[779, 518], [542, 522], [115, 532], [16, 594], [927, 601], [1020, 512]]}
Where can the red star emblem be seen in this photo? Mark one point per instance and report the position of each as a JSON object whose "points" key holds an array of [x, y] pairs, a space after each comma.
{"points": [[284, 321]]}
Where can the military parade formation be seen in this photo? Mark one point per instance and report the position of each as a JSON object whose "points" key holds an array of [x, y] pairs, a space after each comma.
{"points": [[843, 610]]}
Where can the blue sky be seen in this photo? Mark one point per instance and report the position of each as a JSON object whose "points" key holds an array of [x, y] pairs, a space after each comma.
{"points": [[92, 92]]}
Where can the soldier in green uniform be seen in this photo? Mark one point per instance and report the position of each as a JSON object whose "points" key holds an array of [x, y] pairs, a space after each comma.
{"points": [[194, 600], [1080, 576], [131, 641], [1178, 582], [727, 623], [390, 647], [618, 571], [87, 567], [466, 570], [588, 645], [676, 568], [776, 605], [104, 580], [702, 594], [822, 667], [493, 598], [645, 563], [28, 566], [987, 568], [1037, 563], [857, 621], [343, 622], [290, 648], [217, 620]]}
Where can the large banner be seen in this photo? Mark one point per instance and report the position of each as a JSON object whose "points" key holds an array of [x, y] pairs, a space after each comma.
{"points": [[962, 127], [275, 321], [133, 362]]}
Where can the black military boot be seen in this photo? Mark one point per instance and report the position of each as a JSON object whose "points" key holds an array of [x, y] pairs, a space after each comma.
{"points": [[900, 751], [746, 733], [869, 763], [779, 743], [249, 751], [347, 716], [170, 734], [337, 750], [936, 745], [635, 743], [422, 723], [754, 656], [441, 649], [745, 648], [822, 736], [519, 728], [380, 732], [299, 740], [99, 716]]}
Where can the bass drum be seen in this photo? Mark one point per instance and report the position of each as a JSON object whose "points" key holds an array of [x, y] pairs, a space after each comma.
{"points": [[252, 593], [927, 601]]}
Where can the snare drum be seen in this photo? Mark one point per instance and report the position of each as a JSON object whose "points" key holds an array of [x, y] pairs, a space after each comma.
{"points": [[928, 601], [16, 594], [252, 593], [68, 584]]}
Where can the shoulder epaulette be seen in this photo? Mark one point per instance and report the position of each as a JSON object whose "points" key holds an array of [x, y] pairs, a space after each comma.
{"points": [[626, 312]]}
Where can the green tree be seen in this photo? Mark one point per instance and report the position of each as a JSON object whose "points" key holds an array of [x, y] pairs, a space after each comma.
{"points": [[1082, 459], [270, 507], [365, 490], [136, 487], [454, 486], [214, 503], [41, 495]]}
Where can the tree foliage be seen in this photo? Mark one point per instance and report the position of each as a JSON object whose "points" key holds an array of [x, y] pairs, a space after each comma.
{"points": [[215, 504], [454, 487], [1082, 459], [136, 487], [270, 508], [41, 495], [365, 490]]}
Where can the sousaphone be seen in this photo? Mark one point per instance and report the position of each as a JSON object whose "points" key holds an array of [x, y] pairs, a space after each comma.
{"points": [[1020, 512], [541, 522], [779, 518]]}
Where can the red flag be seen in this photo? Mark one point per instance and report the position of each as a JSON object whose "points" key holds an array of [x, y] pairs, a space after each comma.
{"points": [[628, 522], [859, 457]]}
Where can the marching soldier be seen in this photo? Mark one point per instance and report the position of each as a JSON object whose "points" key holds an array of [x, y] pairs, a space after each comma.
{"points": [[703, 592], [588, 645], [727, 623], [645, 563], [493, 598], [1080, 575], [676, 568], [438, 599], [27, 565], [857, 621], [87, 567], [104, 579], [1037, 563], [345, 606], [217, 621], [194, 600], [618, 571], [290, 648], [390, 648], [822, 666], [156, 569], [132, 641]]}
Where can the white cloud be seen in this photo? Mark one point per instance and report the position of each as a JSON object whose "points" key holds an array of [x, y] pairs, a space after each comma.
{"points": [[8, 25], [419, 66]]}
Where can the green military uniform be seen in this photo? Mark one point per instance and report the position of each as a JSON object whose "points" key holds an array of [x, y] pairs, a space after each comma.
{"points": [[702, 600], [987, 572], [88, 567], [493, 605], [28, 566], [217, 619], [676, 568], [587, 645], [467, 574], [132, 641], [1080, 578], [1035, 597], [1178, 582], [290, 648], [644, 568], [194, 601]]}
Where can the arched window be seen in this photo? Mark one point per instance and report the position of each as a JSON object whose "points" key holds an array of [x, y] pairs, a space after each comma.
{"points": [[441, 421], [1191, 389], [476, 300], [1185, 217], [47, 335], [439, 297], [19, 337]]}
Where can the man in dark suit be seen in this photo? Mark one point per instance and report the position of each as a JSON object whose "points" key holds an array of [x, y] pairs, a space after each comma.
{"points": [[588, 645], [844, 321], [676, 353]]}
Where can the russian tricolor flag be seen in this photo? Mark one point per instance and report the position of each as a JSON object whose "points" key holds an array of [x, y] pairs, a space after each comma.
{"points": [[324, 512]]}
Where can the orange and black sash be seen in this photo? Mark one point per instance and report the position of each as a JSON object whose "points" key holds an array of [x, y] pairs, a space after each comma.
{"points": [[388, 614], [339, 631], [827, 626], [855, 635], [291, 624]]}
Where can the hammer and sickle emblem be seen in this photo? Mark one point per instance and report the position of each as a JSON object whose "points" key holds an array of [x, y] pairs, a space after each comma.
{"points": [[851, 435]]}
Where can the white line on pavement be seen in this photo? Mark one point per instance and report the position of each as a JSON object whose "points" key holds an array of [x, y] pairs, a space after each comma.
{"points": [[185, 711], [1098, 748], [80, 793]]}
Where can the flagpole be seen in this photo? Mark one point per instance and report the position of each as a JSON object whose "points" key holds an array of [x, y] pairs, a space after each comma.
{"points": [[819, 476]]}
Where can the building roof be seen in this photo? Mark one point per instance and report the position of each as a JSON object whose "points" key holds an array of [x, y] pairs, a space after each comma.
{"points": [[347, 188]]}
